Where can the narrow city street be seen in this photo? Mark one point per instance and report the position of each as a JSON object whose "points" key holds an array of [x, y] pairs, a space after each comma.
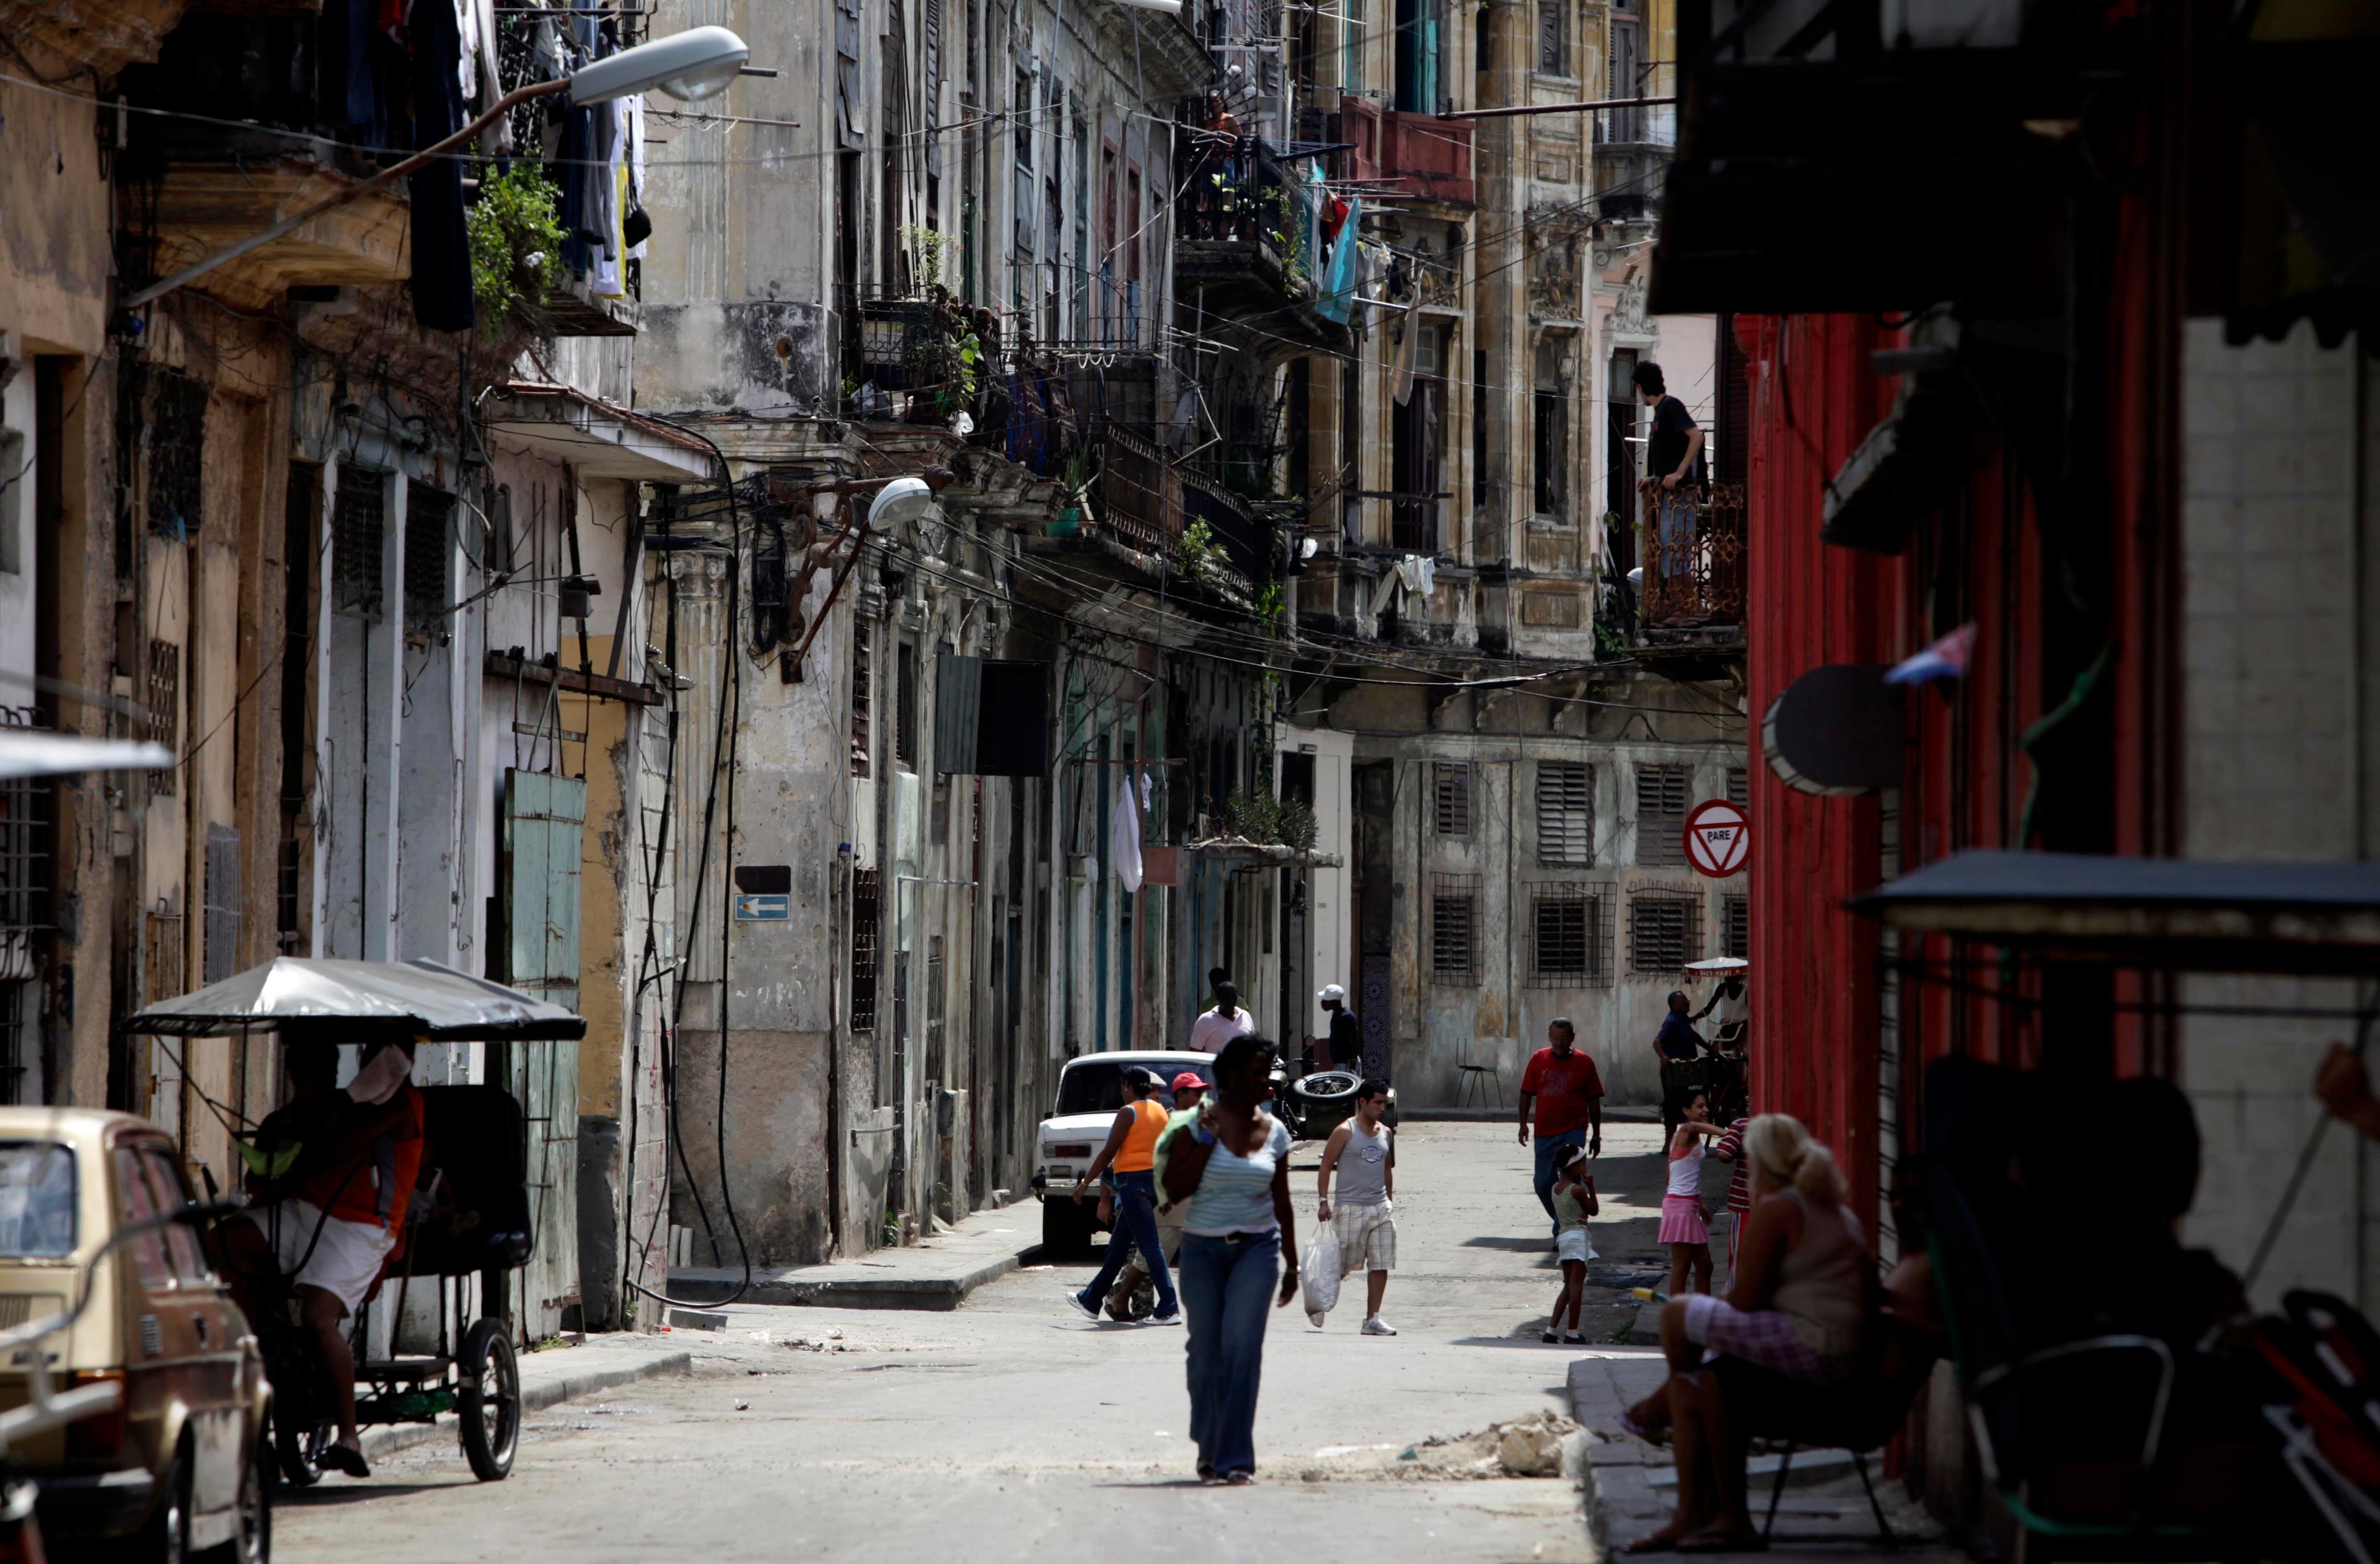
{"points": [[1010, 1428]]}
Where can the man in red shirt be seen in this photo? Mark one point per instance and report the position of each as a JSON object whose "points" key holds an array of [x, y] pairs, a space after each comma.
{"points": [[330, 1238], [1567, 1091]]}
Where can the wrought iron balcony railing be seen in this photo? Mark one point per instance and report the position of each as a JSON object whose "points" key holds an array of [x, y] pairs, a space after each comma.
{"points": [[1691, 542]]}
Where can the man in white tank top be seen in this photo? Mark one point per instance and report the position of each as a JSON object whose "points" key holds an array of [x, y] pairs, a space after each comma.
{"points": [[1362, 1151]]}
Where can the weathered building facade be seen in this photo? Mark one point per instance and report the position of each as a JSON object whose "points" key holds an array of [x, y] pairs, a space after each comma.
{"points": [[328, 521]]}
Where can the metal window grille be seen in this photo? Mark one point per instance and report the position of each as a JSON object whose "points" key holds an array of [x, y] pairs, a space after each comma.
{"points": [[905, 706], [863, 697], [1664, 929], [219, 958], [357, 525], [1739, 927], [176, 456], [1661, 802], [1565, 812], [864, 919], [25, 865], [165, 707], [900, 993], [1451, 787], [429, 515], [1570, 935], [25, 835], [1453, 929]]}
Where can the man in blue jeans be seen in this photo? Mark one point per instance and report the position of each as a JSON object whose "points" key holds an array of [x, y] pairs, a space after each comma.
{"points": [[1131, 1150], [1567, 1092]]}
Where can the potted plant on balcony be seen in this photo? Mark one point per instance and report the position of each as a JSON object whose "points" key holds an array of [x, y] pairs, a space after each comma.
{"points": [[1073, 496], [516, 235]]}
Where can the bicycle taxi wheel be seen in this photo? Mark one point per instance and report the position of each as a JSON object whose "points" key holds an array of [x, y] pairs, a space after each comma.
{"points": [[488, 1401]]}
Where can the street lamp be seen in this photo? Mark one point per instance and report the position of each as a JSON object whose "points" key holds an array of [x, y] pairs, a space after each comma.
{"points": [[696, 64]]}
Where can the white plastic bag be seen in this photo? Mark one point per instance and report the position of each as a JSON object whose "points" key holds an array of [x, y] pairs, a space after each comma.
{"points": [[1319, 1284]]}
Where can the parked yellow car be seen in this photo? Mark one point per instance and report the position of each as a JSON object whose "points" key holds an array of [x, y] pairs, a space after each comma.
{"points": [[179, 1464]]}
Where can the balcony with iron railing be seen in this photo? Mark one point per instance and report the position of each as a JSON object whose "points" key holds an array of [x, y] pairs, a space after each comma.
{"points": [[1690, 596], [1248, 230], [1430, 156]]}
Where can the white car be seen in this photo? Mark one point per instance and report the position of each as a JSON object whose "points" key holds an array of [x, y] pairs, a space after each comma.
{"points": [[1090, 1089]]}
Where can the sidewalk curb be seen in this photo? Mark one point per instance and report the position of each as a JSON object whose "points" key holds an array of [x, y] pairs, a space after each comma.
{"points": [[1613, 1482], [388, 1439], [927, 1292]]}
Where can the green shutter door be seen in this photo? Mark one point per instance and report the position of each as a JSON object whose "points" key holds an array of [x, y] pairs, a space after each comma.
{"points": [[545, 824]]}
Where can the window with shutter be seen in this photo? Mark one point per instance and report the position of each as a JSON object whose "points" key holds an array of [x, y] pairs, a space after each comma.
{"points": [[1664, 930], [1452, 790], [1739, 787], [1453, 927], [1661, 802], [1553, 37], [1570, 923], [1565, 812], [1739, 927], [428, 533], [355, 524]]}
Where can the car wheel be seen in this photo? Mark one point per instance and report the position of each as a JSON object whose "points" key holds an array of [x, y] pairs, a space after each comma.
{"points": [[252, 1539], [487, 1402], [164, 1537]]}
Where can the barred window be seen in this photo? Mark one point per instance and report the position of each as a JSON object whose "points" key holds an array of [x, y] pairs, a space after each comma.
{"points": [[1739, 927], [1451, 789], [863, 697], [1661, 804], [176, 455], [864, 883], [1453, 929], [1570, 935], [164, 704], [1664, 929], [1565, 812], [355, 527], [1739, 787]]}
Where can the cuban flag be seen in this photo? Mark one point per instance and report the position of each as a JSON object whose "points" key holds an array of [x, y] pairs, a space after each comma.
{"points": [[1946, 658]]}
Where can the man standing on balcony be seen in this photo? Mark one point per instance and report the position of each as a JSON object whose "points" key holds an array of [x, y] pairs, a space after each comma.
{"points": [[1673, 469]]}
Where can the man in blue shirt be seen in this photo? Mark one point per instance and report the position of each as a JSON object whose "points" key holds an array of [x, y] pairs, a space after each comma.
{"points": [[1677, 1046]]}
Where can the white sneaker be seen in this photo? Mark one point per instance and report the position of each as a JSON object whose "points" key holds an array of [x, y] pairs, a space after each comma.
{"points": [[1375, 1326]]}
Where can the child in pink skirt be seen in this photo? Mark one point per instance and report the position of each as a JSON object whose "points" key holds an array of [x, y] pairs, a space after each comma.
{"points": [[1682, 1227]]}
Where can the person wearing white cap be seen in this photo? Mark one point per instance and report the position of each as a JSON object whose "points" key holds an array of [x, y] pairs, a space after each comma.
{"points": [[1346, 1039]]}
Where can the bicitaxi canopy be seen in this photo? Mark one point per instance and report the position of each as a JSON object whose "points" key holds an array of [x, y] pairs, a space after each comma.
{"points": [[419, 998]]}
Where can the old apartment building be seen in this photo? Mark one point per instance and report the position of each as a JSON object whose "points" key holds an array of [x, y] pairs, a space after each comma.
{"points": [[499, 550], [353, 536]]}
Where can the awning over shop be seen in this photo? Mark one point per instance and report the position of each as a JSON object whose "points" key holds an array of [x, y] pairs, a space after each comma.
{"points": [[600, 439], [2178, 913]]}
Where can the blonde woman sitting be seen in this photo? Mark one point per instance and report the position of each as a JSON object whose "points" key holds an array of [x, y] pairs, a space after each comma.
{"points": [[1798, 1308]]}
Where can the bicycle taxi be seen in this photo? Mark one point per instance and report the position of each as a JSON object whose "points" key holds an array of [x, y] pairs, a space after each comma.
{"points": [[469, 1220]]}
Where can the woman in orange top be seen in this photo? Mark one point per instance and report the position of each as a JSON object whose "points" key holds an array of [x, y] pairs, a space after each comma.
{"points": [[1131, 1154]]}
